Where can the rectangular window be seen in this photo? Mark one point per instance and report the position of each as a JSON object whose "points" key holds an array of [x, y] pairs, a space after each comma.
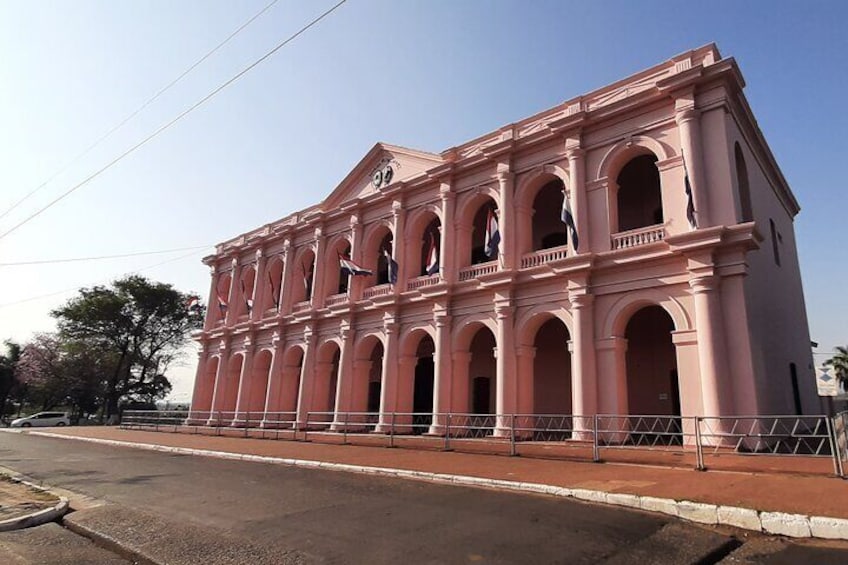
{"points": [[774, 243]]}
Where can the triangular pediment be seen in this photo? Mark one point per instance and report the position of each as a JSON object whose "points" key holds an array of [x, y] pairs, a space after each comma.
{"points": [[382, 167]]}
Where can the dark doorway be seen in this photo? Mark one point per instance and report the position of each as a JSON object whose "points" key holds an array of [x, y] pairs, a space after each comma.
{"points": [[422, 400], [796, 392], [481, 395]]}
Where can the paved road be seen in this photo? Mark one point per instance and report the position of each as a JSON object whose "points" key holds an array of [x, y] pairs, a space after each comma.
{"points": [[345, 518]]}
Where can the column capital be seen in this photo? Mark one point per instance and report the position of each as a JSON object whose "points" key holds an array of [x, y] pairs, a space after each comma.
{"points": [[574, 153], [581, 299], [442, 320], [686, 115], [503, 310], [397, 206], [259, 253], [234, 262], [703, 284], [446, 190]]}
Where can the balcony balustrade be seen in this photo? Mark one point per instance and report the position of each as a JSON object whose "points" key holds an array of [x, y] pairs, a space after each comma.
{"points": [[336, 299], [420, 282], [301, 306], [375, 291], [543, 256], [637, 237], [476, 271]]}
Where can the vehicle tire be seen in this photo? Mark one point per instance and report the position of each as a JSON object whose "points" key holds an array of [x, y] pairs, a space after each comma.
{"points": [[26, 425], [60, 424]]}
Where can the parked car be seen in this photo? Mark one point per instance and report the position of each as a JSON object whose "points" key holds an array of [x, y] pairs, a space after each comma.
{"points": [[42, 419]]}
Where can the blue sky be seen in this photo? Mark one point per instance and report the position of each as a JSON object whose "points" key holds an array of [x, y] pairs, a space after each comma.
{"points": [[424, 74]]}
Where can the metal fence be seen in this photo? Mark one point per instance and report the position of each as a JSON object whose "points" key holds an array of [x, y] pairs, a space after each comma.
{"points": [[728, 442]]}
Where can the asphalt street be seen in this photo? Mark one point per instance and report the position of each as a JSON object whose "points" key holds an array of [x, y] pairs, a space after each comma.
{"points": [[335, 517]]}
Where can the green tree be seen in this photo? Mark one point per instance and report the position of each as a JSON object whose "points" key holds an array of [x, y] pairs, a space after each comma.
{"points": [[9, 383], [143, 325], [839, 362]]}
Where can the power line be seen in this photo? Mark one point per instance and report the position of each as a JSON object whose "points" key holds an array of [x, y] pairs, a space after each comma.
{"points": [[139, 109], [175, 120], [101, 257], [76, 288]]}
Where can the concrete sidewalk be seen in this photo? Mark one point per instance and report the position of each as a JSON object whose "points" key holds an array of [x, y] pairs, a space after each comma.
{"points": [[792, 504]]}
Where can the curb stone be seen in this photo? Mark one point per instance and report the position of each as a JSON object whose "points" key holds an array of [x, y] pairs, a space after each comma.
{"points": [[778, 523], [36, 518]]}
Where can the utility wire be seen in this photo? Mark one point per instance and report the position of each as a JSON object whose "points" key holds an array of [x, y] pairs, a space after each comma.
{"points": [[101, 257], [138, 110], [175, 120], [76, 288]]}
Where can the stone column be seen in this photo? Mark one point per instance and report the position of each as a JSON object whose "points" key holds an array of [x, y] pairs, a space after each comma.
{"points": [[275, 383], [584, 381], [307, 378], [212, 311], [505, 376], [260, 287], [346, 377], [525, 400], [388, 390], [399, 246], [578, 198], [235, 275], [288, 272], [355, 284], [612, 393], [712, 356], [442, 369], [448, 250], [201, 389], [405, 393], [245, 384], [318, 272], [506, 222], [689, 125]]}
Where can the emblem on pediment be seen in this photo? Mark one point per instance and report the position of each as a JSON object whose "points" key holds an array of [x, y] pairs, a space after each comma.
{"points": [[384, 172]]}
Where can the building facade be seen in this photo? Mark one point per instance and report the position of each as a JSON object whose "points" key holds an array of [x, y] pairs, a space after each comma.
{"points": [[680, 294]]}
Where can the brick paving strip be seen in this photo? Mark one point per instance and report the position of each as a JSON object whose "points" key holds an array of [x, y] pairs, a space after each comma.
{"points": [[790, 504]]}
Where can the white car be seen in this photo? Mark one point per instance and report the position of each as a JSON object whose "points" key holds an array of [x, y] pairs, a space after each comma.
{"points": [[42, 419]]}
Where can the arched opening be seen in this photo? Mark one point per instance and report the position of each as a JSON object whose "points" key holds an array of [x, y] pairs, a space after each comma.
{"points": [[254, 404], [326, 383], [746, 211], [422, 397], [303, 277], [548, 229], [284, 390], [485, 233], [202, 400], [383, 252], [375, 378], [222, 296], [482, 374], [245, 291], [274, 285], [431, 246], [552, 369], [639, 195], [652, 383], [229, 392], [342, 277]]}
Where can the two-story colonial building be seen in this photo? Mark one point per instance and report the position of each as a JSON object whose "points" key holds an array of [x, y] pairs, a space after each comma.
{"points": [[680, 295]]}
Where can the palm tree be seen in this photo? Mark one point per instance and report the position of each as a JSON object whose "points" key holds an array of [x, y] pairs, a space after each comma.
{"points": [[839, 362]]}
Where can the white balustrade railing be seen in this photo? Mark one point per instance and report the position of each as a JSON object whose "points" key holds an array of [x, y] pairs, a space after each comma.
{"points": [[419, 282], [375, 291], [336, 299], [637, 237], [543, 256], [301, 306], [476, 271]]}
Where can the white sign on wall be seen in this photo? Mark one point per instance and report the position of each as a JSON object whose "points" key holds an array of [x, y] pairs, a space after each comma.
{"points": [[826, 381]]}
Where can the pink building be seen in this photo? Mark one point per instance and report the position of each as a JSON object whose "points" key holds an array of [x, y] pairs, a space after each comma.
{"points": [[655, 308]]}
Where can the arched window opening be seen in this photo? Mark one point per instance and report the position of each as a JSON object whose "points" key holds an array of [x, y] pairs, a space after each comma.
{"points": [[384, 251], [485, 235], [548, 229], [746, 210], [222, 293], [344, 277], [639, 194], [245, 291], [274, 285], [482, 371], [422, 395], [431, 244], [303, 278], [552, 370]]}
